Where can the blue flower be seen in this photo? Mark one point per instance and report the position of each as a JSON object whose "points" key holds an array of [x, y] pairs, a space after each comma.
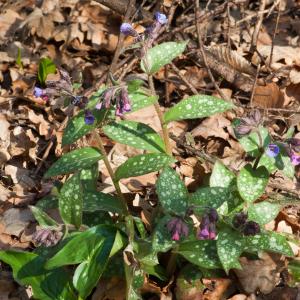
{"points": [[161, 18], [88, 117], [272, 150], [38, 92], [127, 29]]}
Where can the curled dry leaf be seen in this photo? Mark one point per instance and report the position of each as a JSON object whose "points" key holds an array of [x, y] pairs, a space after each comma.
{"points": [[268, 96], [233, 59], [258, 275]]}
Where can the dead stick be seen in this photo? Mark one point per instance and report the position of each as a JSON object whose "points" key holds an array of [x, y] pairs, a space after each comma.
{"points": [[274, 34], [197, 12]]}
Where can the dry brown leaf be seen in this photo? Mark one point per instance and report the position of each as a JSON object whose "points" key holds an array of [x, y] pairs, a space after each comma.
{"points": [[216, 288], [8, 23], [258, 275], [233, 59], [268, 96]]}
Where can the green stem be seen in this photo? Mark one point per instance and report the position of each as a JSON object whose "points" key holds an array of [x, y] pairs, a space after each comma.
{"points": [[260, 149], [110, 170], [171, 264], [161, 117]]}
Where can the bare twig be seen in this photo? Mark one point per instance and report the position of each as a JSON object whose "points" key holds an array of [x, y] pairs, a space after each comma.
{"points": [[274, 34], [200, 42], [257, 26], [182, 77], [254, 86]]}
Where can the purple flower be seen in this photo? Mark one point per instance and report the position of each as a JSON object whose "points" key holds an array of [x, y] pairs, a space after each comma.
{"points": [[160, 18], [213, 215], [207, 230], [295, 158], [88, 117], [128, 30], [38, 92], [272, 150], [46, 237], [178, 228], [239, 219], [251, 228]]}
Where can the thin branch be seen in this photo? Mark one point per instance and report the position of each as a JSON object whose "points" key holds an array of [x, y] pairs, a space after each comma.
{"points": [[254, 86], [200, 43], [274, 34]]}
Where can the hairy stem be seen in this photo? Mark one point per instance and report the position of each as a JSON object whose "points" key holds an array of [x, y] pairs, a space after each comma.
{"points": [[109, 169], [160, 116]]}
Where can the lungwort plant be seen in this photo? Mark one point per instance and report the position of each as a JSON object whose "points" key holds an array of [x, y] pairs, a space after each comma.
{"points": [[100, 237]]}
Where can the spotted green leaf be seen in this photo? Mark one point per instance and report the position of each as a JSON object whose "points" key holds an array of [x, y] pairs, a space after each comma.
{"points": [[89, 178], [135, 281], [135, 134], [76, 127], [201, 253], [194, 107], [160, 55], [73, 161], [95, 201], [139, 100], [270, 241], [43, 219], [252, 183], [70, 201], [230, 245], [209, 197], [251, 142], [161, 238], [221, 176], [263, 212], [143, 164], [172, 193]]}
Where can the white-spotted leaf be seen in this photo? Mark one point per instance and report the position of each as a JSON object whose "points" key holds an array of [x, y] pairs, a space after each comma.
{"points": [[201, 253], [171, 191], [95, 201], [198, 106], [73, 161], [70, 201], [230, 245], [252, 183], [143, 164], [251, 142], [160, 55], [135, 134], [209, 197], [270, 241], [89, 178], [140, 100], [43, 219], [221, 176], [263, 212]]}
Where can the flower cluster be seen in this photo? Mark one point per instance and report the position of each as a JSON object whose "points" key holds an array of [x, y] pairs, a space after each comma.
{"points": [[46, 237], [246, 227], [150, 35], [207, 229], [178, 228], [248, 123]]}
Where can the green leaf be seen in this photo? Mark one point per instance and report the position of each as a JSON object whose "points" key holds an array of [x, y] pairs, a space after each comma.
{"points": [[134, 134], [251, 142], [95, 201], [88, 273], [270, 241], [172, 193], [201, 253], [89, 177], [28, 269], [47, 202], [221, 176], [70, 201], [230, 245], [140, 99], [209, 197], [46, 66], [76, 127], [194, 107], [252, 183], [143, 164], [161, 238], [73, 161], [263, 212], [95, 218], [43, 219], [88, 240], [160, 55], [134, 281], [294, 271]]}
